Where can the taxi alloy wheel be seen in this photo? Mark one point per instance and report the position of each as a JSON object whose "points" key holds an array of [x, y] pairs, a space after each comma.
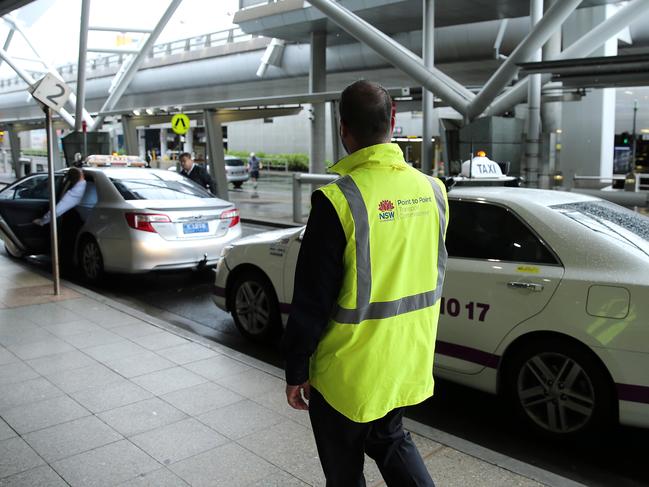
{"points": [[91, 260], [560, 389], [255, 308]]}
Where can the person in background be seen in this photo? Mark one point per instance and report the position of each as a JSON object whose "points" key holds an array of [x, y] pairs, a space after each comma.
{"points": [[254, 165], [76, 182], [196, 173]]}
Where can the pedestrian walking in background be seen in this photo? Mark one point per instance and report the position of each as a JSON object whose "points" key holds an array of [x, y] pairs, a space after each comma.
{"points": [[196, 173], [361, 335], [254, 166]]}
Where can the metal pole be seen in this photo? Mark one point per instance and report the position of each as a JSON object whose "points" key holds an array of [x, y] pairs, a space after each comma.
{"points": [[531, 168], [81, 67], [428, 52], [26, 77], [434, 80], [317, 83], [297, 199], [582, 48], [54, 234], [130, 73], [534, 41], [633, 147], [335, 132], [7, 43]]}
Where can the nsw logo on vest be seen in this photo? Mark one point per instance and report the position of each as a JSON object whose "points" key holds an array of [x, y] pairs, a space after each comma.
{"points": [[386, 210]]}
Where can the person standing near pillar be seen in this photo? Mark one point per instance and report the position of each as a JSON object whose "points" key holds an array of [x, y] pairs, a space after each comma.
{"points": [[360, 339], [196, 173]]}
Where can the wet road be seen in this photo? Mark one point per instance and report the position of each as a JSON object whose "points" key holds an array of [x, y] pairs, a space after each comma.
{"points": [[618, 458]]}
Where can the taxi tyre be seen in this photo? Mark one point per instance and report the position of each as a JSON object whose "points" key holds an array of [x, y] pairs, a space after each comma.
{"points": [[254, 305], [90, 259], [554, 376], [237, 184]]}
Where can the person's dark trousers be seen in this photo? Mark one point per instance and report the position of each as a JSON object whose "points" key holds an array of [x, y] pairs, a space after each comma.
{"points": [[342, 443]]}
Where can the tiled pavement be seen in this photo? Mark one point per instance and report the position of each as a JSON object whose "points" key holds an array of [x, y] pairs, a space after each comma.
{"points": [[95, 394]]}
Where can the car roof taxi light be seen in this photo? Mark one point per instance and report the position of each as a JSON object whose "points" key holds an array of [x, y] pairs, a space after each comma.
{"points": [[102, 160], [481, 166]]}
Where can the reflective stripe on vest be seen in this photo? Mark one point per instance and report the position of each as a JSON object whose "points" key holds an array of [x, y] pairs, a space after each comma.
{"points": [[386, 309]]}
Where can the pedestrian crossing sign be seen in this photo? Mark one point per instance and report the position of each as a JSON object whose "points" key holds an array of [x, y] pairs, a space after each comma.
{"points": [[180, 123]]}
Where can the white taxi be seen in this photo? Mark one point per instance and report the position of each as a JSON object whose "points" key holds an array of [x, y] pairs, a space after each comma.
{"points": [[546, 302]]}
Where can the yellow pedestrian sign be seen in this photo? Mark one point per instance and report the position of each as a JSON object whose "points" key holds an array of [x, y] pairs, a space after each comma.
{"points": [[180, 123]]}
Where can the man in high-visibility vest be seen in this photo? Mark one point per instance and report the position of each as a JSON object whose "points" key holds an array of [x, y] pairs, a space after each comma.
{"points": [[361, 335]]}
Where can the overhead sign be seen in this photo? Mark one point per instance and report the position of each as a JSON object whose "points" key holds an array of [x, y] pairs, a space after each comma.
{"points": [[52, 92], [180, 123]]}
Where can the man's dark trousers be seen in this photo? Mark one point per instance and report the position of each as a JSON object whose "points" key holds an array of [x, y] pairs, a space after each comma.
{"points": [[342, 443]]}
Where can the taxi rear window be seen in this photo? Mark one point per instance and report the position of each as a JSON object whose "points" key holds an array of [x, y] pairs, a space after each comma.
{"points": [[607, 216], [233, 162], [158, 186]]}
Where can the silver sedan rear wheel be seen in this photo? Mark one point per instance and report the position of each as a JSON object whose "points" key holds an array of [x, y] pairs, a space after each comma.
{"points": [[91, 260]]}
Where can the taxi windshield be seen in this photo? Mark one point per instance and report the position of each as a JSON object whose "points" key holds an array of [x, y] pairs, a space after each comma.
{"points": [[611, 219]]}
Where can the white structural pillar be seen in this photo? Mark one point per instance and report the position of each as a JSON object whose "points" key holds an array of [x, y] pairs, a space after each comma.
{"points": [[163, 144], [188, 145], [14, 145], [531, 163], [427, 154], [140, 143], [215, 152], [550, 115], [318, 83], [589, 125], [130, 136]]}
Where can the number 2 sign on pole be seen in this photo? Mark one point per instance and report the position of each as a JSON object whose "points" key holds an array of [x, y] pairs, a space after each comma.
{"points": [[52, 93]]}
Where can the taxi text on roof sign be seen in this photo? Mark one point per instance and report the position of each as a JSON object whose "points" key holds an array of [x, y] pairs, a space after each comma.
{"points": [[101, 160], [180, 123]]}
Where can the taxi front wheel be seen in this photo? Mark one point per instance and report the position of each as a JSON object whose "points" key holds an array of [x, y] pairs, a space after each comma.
{"points": [[254, 306], [560, 388]]}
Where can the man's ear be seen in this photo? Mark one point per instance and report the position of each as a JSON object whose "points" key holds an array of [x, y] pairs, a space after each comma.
{"points": [[393, 117]]}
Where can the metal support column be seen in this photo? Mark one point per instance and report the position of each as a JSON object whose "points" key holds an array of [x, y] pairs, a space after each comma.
{"points": [[444, 86], [317, 84], [59, 163], [163, 145], [130, 135], [14, 144], [581, 48], [215, 152], [81, 67], [532, 43], [7, 43], [188, 145], [428, 51], [531, 163], [337, 149], [135, 64]]}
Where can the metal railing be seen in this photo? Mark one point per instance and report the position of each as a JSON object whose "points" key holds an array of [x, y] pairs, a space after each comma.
{"points": [[195, 43], [304, 178]]}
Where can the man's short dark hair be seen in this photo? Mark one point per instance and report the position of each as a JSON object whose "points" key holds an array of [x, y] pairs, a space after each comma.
{"points": [[366, 111], [185, 155]]}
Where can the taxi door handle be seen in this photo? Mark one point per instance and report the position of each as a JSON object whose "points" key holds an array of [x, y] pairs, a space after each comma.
{"points": [[525, 285]]}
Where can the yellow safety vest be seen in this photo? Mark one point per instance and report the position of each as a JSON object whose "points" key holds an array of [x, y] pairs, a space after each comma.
{"points": [[376, 353]]}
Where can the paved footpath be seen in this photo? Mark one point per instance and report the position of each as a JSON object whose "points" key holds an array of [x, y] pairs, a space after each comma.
{"points": [[93, 393]]}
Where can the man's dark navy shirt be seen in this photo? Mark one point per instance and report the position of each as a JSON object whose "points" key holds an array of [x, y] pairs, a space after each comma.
{"points": [[318, 277]]}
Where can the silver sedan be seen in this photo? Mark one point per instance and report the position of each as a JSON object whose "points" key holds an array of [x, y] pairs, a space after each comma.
{"points": [[130, 220]]}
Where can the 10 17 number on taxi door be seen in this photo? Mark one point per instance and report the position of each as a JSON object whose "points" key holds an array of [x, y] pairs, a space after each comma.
{"points": [[474, 311]]}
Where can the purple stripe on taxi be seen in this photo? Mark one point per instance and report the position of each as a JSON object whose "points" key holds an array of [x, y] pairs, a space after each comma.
{"points": [[633, 393], [467, 353], [219, 291]]}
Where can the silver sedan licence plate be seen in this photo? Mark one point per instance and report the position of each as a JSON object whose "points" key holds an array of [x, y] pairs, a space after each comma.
{"points": [[199, 227]]}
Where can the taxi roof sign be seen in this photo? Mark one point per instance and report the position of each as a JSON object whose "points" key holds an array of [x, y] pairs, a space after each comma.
{"points": [[481, 167], [102, 160]]}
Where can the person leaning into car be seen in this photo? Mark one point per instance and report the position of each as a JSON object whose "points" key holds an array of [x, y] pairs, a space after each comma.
{"points": [[76, 183], [196, 173], [360, 338]]}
